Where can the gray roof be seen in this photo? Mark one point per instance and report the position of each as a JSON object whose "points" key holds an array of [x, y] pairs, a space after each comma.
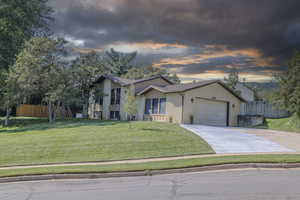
{"points": [[124, 81], [121, 81], [188, 86]]}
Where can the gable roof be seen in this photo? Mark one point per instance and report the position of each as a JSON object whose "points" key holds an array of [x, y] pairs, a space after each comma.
{"points": [[189, 86], [126, 82], [152, 78]]}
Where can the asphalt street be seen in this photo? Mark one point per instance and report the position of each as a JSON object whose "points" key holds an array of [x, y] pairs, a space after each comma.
{"points": [[252, 184]]}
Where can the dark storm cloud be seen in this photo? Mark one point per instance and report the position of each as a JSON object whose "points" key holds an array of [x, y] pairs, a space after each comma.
{"points": [[271, 26]]}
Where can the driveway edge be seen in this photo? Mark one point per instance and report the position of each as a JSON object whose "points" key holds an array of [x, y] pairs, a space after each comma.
{"points": [[148, 172]]}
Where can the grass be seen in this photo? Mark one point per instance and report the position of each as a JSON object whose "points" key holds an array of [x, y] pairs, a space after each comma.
{"points": [[34, 141], [173, 164], [291, 124]]}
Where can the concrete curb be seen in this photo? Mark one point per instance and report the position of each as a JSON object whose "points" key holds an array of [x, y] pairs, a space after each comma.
{"points": [[149, 173]]}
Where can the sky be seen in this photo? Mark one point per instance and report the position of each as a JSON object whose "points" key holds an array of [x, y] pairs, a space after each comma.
{"points": [[197, 39]]}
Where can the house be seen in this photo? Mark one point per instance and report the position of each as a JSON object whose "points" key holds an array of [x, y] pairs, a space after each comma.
{"points": [[245, 92], [158, 99]]}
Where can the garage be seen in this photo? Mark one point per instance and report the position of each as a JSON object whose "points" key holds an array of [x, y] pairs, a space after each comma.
{"points": [[211, 112]]}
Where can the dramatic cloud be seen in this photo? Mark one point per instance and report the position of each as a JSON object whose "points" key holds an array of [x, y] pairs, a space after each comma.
{"points": [[195, 38]]}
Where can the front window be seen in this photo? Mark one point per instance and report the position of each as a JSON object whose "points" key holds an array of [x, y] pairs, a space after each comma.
{"points": [[148, 106], [115, 96], [118, 96], [154, 106], [162, 106]]}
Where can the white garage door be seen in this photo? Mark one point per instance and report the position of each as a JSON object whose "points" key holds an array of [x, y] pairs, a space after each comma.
{"points": [[212, 113]]}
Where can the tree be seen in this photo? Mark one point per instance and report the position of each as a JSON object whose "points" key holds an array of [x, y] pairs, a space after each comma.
{"points": [[119, 63], [130, 106], [40, 69], [19, 21], [232, 80], [146, 72], [289, 86], [86, 69]]}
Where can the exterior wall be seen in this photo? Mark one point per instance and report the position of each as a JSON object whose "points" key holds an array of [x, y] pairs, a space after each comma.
{"points": [[209, 92], [174, 107], [106, 99], [141, 107], [144, 84]]}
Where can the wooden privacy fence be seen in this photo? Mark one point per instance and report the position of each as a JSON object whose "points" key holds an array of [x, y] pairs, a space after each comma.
{"points": [[263, 108], [26, 110]]}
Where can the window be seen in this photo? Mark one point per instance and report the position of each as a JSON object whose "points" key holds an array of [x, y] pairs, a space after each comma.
{"points": [[115, 96], [114, 115], [148, 106], [118, 99], [99, 100], [162, 106], [154, 106]]}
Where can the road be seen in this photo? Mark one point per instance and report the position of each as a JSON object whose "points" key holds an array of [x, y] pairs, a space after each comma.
{"points": [[249, 184]]}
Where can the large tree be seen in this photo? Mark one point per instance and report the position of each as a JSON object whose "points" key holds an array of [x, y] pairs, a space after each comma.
{"points": [[40, 69], [19, 21], [119, 63], [146, 72], [86, 69], [289, 86]]}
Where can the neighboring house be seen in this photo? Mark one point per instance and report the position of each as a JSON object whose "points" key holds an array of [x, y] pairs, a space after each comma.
{"points": [[245, 92], [158, 99]]}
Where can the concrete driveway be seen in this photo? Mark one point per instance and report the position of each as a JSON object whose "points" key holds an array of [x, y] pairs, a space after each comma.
{"points": [[227, 140]]}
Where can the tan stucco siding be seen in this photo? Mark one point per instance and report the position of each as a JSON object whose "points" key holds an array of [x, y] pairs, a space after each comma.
{"points": [[215, 91], [106, 98], [174, 107], [158, 82]]}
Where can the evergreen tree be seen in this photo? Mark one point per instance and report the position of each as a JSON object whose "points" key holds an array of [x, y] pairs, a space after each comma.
{"points": [[119, 63], [87, 68], [289, 86]]}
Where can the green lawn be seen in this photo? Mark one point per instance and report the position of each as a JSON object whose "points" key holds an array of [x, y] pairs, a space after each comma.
{"points": [[285, 124], [171, 164], [34, 141]]}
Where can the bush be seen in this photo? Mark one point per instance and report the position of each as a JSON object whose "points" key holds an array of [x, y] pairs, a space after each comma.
{"points": [[191, 119]]}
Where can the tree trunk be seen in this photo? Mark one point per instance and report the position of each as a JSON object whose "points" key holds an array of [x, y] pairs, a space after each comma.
{"points": [[85, 110], [8, 112], [70, 114], [63, 111], [50, 112]]}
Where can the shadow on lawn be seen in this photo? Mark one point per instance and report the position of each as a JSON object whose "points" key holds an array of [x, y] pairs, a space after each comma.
{"points": [[35, 124]]}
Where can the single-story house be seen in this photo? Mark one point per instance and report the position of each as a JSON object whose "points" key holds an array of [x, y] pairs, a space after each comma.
{"points": [[158, 99]]}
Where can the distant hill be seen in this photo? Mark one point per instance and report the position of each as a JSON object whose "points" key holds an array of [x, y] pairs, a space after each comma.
{"points": [[264, 90], [263, 85]]}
